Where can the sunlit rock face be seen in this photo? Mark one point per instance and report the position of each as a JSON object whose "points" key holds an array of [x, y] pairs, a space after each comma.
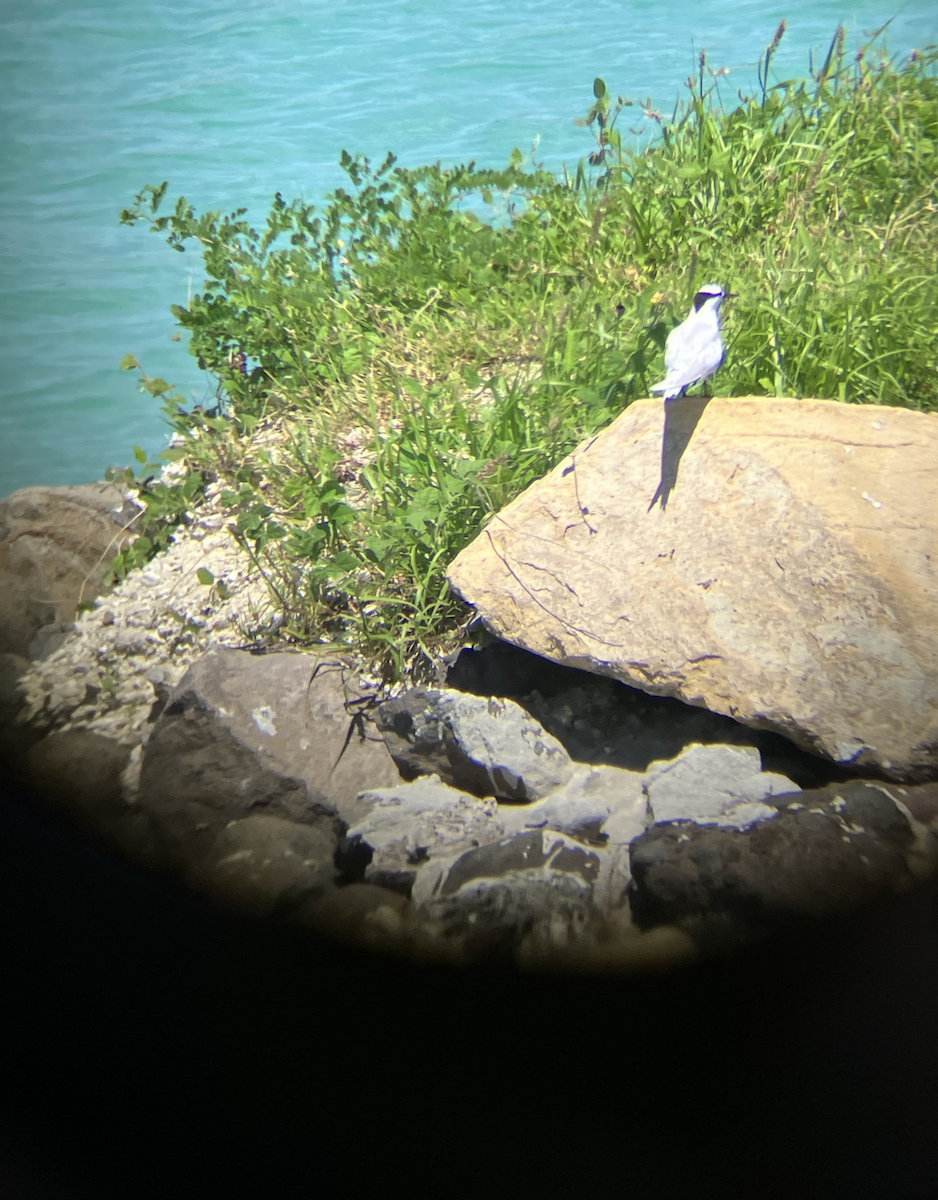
{"points": [[771, 560]]}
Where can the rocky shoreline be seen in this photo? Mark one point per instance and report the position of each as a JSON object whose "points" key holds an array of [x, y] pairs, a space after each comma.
{"points": [[569, 797]]}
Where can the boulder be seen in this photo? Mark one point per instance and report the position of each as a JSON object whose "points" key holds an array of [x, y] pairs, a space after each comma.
{"points": [[540, 900], [921, 802], [770, 560], [490, 747], [56, 546], [535, 886], [284, 734], [823, 855]]}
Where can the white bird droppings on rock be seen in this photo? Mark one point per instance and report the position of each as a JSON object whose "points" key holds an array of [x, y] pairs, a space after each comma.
{"points": [[263, 718]]}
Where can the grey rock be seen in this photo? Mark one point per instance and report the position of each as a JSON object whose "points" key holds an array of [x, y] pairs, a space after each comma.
{"points": [[286, 734], [597, 803], [267, 865], [520, 859], [413, 823], [824, 854], [605, 722], [490, 747], [56, 546], [920, 801], [714, 785], [531, 851], [534, 889], [612, 889]]}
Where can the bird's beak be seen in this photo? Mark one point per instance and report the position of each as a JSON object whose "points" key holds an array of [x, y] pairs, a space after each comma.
{"points": [[730, 295]]}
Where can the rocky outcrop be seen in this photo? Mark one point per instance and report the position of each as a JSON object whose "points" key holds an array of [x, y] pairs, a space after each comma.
{"points": [[529, 811], [770, 560], [714, 785], [257, 786], [601, 721], [56, 546]]}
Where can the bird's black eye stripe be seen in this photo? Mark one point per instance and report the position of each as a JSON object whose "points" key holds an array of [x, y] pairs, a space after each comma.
{"points": [[701, 299]]}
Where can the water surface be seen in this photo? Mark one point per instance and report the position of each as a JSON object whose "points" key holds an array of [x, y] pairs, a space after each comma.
{"points": [[233, 100]]}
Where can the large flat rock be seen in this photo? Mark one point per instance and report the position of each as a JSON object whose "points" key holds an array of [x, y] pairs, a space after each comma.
{"points": [[770, 560]]}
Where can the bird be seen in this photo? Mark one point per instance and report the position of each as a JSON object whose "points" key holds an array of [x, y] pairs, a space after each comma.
{"points": [[694, 348]]}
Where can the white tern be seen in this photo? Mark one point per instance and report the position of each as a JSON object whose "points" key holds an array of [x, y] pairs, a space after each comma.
{"points": [[694, 349]]}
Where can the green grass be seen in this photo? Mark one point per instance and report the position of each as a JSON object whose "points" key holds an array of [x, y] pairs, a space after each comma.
{"points": [[433, 340]]}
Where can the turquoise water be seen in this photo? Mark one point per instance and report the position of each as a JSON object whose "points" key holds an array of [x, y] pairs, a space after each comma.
{"points": [[232, 100]]}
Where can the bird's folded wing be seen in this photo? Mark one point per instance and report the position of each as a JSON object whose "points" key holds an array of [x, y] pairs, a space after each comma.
{"points": [[697, 355]]}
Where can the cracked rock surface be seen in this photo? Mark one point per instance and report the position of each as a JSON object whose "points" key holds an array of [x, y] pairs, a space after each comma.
{"points": [[414, 823]]}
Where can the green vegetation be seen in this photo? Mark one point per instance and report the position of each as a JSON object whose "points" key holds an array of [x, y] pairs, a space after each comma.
{"points": [[393, 369]]}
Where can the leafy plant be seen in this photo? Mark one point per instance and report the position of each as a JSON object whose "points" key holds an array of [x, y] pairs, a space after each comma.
{"points": [[165, 505]]}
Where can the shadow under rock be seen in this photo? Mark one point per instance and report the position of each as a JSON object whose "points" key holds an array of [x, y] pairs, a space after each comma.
{"points": [[604, 722]]}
